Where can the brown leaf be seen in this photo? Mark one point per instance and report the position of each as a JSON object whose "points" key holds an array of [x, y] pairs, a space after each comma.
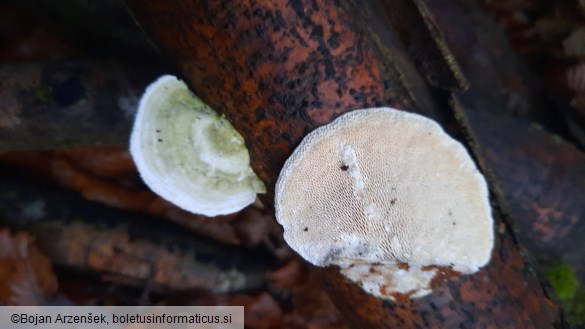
{"points": [[26, 277]]}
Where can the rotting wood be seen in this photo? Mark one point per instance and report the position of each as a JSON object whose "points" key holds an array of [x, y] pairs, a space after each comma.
{"points": [[278, 70]]}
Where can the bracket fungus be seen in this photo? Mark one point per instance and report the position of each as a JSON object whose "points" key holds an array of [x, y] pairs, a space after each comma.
{"points": [[388, 197], [190, 155]]}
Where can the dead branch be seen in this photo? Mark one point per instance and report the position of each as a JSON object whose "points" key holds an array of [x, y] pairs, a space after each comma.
{"points": [[58, 104]]}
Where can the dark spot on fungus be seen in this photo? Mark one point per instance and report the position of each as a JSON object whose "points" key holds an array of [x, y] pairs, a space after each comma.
{"points": [[344, 167], [393, 201], [160, 140], [306, 229], [454, 224]]}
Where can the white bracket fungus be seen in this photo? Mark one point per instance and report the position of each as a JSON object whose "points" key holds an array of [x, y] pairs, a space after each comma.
{"points": [[388, 197], [190, 155]]}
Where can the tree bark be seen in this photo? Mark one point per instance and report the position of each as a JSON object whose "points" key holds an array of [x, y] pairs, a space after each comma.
{"points": [[542, 178], [278, 70], [56, 104]]}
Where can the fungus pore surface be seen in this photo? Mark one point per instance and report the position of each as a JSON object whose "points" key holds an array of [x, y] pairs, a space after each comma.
{"points": [[378, 189], [190, 155]]}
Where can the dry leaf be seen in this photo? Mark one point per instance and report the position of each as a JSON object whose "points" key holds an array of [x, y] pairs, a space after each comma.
{"points": [[26, 277]]}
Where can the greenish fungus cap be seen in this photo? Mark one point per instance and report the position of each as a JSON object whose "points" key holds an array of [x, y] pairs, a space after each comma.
{"points": [[190, 155]]}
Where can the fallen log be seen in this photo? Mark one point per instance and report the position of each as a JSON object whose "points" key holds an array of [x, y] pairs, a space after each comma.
{"points": [[278, 70]]}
